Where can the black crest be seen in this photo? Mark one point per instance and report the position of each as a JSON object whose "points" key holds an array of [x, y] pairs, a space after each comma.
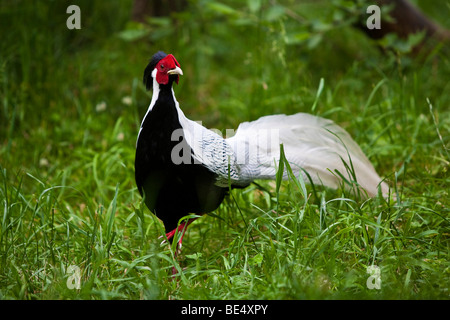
{"points": [[148, 82]]}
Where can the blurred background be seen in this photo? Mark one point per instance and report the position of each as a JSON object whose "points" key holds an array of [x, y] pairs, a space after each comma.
{"points": [[65, 88]]}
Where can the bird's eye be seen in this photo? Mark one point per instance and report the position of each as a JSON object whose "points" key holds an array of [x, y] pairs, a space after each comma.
{"points": [[162, 67]]}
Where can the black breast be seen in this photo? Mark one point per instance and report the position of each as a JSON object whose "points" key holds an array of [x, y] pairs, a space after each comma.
{"points": [[171, 191]]}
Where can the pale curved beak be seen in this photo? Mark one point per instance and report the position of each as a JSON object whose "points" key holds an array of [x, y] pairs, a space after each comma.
{"points": [[177, 70]]}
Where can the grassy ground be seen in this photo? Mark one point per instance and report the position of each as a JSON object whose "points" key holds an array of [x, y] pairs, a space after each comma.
{"points": [[71, 104]]}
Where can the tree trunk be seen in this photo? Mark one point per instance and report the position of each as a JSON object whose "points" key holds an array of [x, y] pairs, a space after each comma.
{"points": [[155, 8], [407, 20]]}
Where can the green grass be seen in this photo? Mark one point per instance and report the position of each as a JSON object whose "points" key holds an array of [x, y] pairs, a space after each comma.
{"points": [[71, 104]]}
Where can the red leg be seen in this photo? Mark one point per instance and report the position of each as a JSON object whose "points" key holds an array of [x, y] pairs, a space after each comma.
{"points": [[182, 227], [170, 234]]}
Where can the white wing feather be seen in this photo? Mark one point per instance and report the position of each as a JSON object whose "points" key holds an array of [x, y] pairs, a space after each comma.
{"points": [[212, 151]]}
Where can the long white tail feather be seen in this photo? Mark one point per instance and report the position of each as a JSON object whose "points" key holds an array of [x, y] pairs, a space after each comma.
{"points": [[314, 144]]}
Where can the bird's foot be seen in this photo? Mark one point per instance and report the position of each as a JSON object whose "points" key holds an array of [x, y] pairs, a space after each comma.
{"points": [[181, 228]]}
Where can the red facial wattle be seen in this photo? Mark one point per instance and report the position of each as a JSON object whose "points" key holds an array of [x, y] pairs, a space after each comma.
{"points": [[164, 66]]}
